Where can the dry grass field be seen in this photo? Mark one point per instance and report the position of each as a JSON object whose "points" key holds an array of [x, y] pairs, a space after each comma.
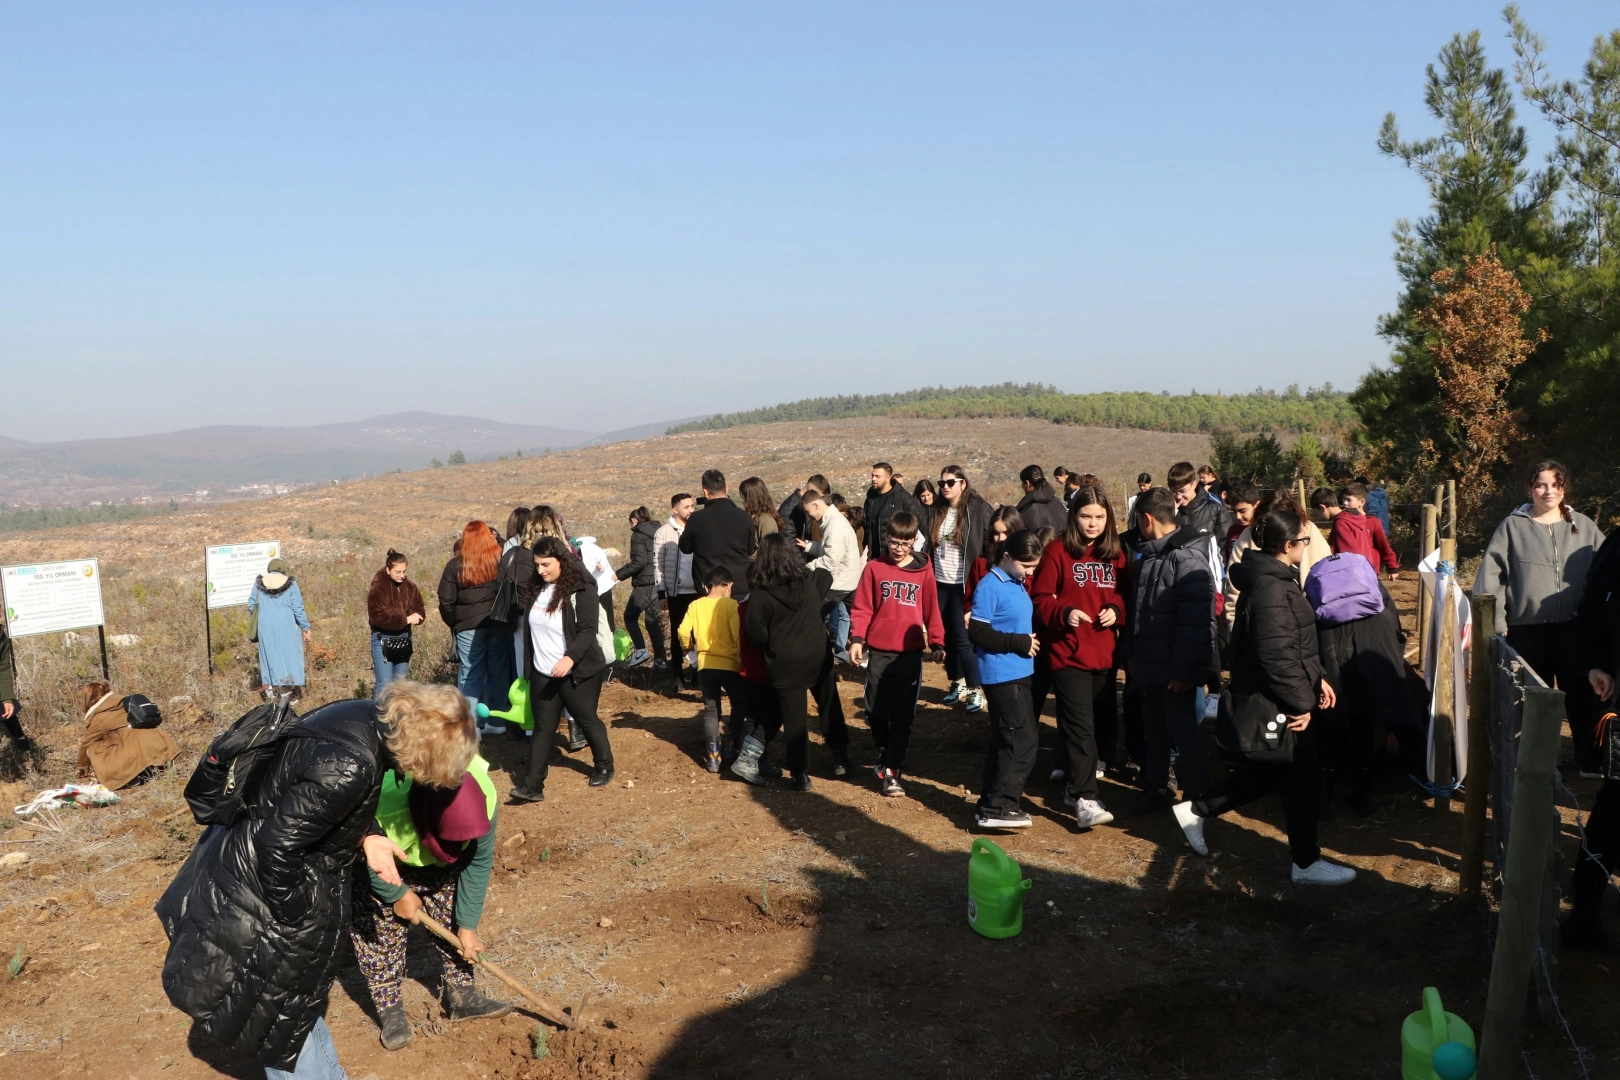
{"points": [[710, 929]]}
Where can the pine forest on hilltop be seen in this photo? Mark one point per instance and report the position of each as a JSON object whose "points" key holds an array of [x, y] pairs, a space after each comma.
{"points": [[1320, 409]]}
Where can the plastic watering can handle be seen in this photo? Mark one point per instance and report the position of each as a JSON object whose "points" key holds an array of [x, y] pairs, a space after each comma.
{"points": [[985, 847], [1026, 884], [1439, 1027]]}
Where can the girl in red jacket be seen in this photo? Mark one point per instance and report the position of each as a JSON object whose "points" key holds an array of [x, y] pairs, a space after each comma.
{"points": [[1079, 593]]}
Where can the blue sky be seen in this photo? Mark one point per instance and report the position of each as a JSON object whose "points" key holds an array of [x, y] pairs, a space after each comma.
{"points": [[604, 215]]}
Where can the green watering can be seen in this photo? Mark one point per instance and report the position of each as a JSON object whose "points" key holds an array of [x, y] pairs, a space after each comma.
{"points": [[518, 712], [996, 888], [622, 645], [1435, 1044]]}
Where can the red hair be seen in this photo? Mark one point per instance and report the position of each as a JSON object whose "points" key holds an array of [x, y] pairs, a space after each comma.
{"points": [[480, 554]]}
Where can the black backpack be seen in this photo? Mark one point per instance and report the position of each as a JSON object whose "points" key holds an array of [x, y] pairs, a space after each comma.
{"points": [[234, 761], [142, 712]]}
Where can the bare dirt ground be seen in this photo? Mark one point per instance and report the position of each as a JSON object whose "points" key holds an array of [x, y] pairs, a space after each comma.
{"points": [[716, 930]]}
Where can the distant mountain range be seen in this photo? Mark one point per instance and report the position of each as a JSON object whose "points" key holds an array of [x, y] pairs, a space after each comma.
{"points": [[218, 459]]}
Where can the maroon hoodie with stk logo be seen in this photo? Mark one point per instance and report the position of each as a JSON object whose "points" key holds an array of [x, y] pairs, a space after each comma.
{"points": [[896, 608]]}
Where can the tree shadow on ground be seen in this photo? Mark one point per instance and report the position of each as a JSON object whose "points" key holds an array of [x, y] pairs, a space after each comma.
{"points": [[1201, 968]]}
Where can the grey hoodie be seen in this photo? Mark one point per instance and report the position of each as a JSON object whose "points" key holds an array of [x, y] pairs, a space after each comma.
{"points": [[1536, 572]]}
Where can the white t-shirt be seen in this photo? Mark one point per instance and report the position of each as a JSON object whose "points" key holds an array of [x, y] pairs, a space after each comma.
{"points": [[948, 556], [546, 630]]}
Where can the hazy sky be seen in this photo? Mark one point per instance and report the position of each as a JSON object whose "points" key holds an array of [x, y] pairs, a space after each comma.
{"points": [[599, 215]]}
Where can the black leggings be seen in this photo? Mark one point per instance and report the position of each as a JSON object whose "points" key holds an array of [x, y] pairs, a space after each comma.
{"points": [[1557, 652], [795, 706], [961, 662], [580, 700]]}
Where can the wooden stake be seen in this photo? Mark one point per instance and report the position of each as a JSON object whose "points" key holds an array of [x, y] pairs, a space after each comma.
{"points": [[1529, 838], [546, 1009], [1439, 509], [1478, 779], [1451, 509], [1445, 683]]}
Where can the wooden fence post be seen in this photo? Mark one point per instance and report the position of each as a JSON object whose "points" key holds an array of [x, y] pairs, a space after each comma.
{"points": [[1523, 879], [1426, 544], [1479, 749], [1439, 510], [1451, 509]]}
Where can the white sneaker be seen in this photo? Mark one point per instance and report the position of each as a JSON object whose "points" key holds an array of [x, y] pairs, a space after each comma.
{"points": [[637, 658], [491, 729], [1212, 706], [1102, 769], [1322, 872], [975, 701], [1192, 826], [1089, 813]]}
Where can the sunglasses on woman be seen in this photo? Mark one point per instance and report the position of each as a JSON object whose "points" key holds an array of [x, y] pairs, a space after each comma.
{"points": [[950, 483]]}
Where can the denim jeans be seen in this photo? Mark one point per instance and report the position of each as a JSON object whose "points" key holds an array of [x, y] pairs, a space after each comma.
{"points": [[384, 671], [472, 648], [316, 1061], [836, 615]]}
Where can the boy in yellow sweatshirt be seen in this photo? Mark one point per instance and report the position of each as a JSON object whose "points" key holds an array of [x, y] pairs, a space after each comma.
{"points": [[713, 628]]}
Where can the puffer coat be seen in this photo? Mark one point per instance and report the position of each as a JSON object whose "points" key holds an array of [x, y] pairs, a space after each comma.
{"points": [[640, 567], [1170, 617], [257, 915], [1274, 648]]}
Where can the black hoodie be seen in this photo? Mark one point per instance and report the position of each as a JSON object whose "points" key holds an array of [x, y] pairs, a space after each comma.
{"points": [[1041, 508], [784, 620]]}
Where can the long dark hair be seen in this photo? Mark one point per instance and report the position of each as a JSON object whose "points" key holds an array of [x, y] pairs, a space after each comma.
{"points": [[1105, 547], [923, 485], [757, 500], [942, 506], [1273, 531], [1007, 515], [777, 563], [1023, 545], [517, 521], [1561, 475], [573, 576]]}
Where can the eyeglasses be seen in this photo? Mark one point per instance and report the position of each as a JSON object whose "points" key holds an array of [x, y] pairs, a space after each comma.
{"points": [[951, 482], [1298, 540]]}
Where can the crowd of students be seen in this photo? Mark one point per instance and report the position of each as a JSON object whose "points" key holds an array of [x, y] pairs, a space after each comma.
{"points": [[390, 802]]}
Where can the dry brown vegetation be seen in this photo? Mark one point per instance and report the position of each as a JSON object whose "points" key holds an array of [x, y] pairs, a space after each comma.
{"points": [[709, 928]]}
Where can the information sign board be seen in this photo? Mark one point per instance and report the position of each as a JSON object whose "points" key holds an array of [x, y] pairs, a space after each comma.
{"points": [[48, 598], [232, 568]]}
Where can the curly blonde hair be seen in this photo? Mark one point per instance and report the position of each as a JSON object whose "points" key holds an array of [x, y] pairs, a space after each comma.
{"points": [[431, 732]]}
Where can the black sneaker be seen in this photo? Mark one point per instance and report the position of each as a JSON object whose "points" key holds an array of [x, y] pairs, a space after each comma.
{"points": [[602, 777], [1149, 801], [466, 1003], [889, 783], [520, 794], [393, 1028], [770, 772], [800, 782], [1001, 819]]}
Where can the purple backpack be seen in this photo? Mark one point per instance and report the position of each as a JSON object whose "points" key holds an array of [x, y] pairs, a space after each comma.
{"points": [[1343, 588]]}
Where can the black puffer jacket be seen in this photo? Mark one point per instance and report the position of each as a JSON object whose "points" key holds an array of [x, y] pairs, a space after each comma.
{"points": [[465, 607], [1170, 626], [257, 915], [1206, 513], [784, 620], [640, 567], [1273, 646], [1042, 508], [880, 507]]}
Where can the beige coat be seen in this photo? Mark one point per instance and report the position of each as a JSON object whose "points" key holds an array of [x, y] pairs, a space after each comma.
{"points": [[1315, 551], [116, 753]]}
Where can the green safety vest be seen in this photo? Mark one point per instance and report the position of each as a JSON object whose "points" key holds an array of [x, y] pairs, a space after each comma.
{"points": [[394, 811]]}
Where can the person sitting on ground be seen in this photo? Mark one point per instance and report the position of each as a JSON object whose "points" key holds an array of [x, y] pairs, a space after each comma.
{"points": [[1276, 672], [256, 915], [113, 751], [1353, 530], [438, 805], [713, 629]]}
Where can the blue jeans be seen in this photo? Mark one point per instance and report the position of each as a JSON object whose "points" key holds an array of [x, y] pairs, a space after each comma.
{"points": [[472, 647], [384, 671], [836, 615], [316, 1061]]}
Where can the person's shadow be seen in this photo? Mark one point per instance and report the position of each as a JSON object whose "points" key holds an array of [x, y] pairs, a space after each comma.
{"points": [[1203, 968]]}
